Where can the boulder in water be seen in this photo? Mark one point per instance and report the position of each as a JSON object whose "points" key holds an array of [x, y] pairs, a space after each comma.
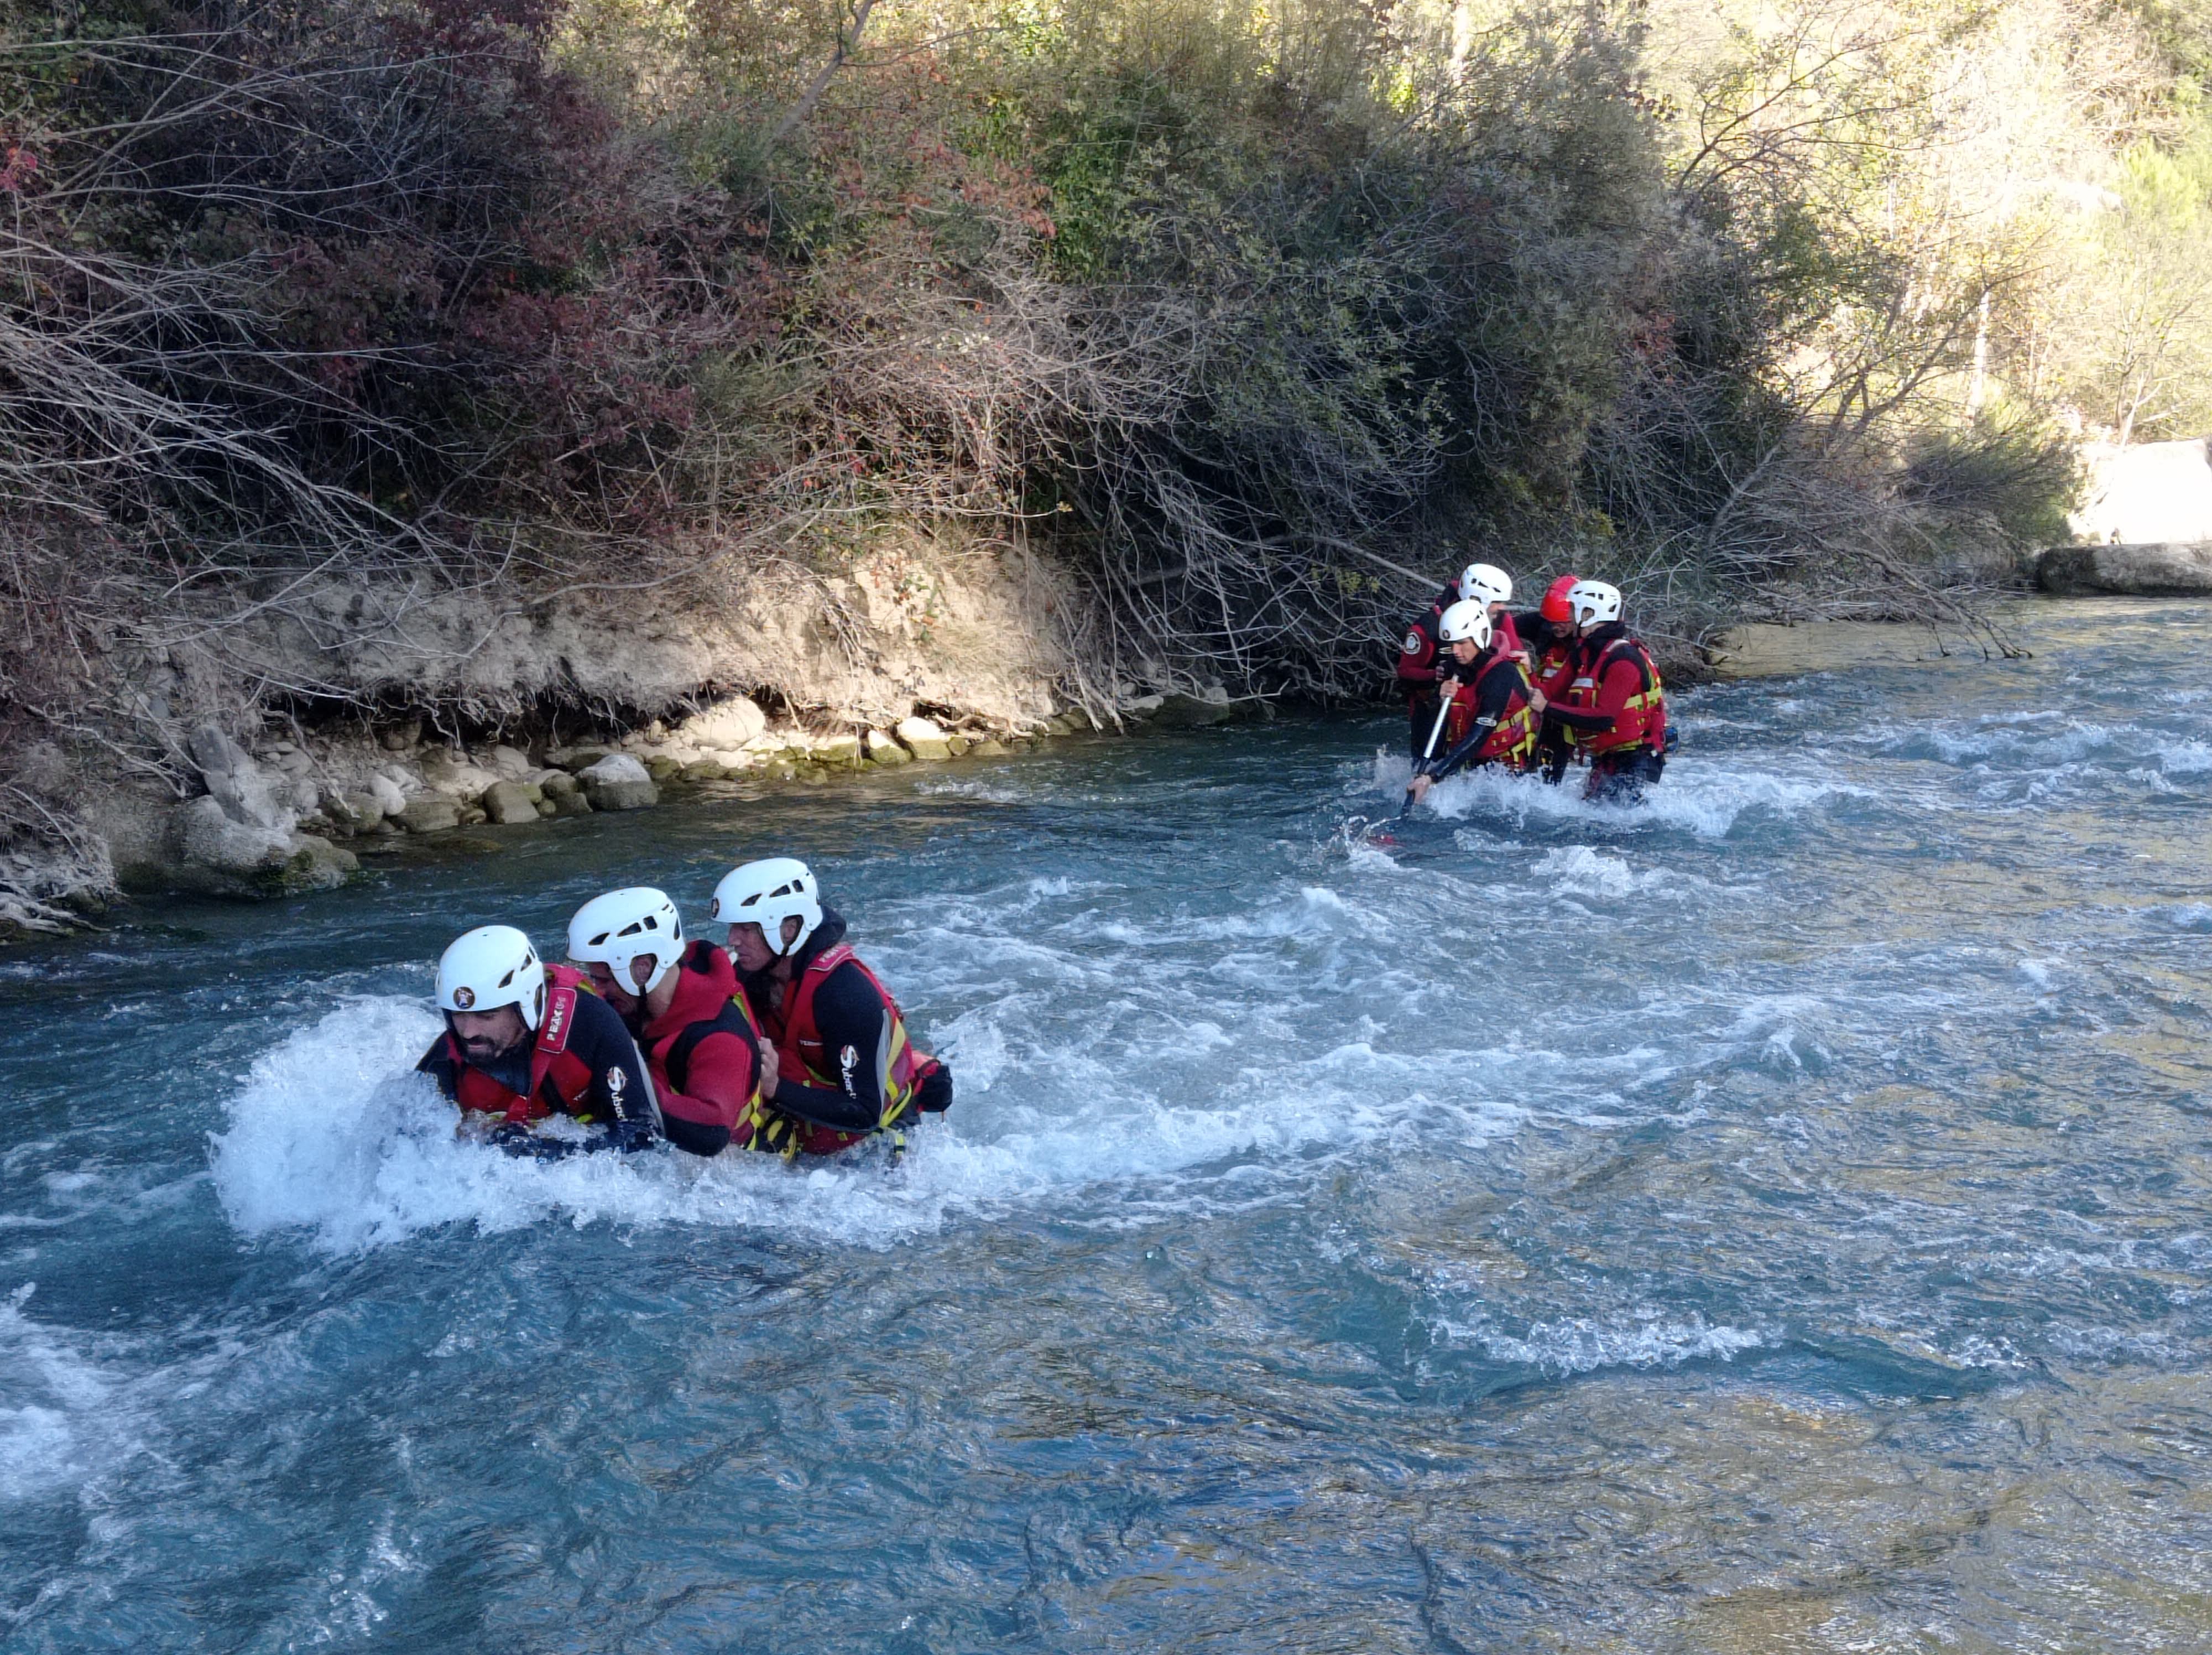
{"points": [[228, 858], [925, 740], [430, 812], [2154, 570], [1182, 712], [618, 781], [884, 749], [510, 803]]}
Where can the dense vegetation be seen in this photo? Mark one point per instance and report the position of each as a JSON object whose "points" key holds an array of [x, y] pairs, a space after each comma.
{"points": [[1254, 317]]}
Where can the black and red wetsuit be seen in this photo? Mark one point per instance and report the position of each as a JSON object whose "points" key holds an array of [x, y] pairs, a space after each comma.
{"points": [[1492, 720], [1615, 712], [580, 1062], [1418, 661], [705, 1054], [844, 1066]]}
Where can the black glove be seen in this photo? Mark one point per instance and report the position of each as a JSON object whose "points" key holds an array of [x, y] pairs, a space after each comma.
{"points": [[626, 1137], [516, 1139]]}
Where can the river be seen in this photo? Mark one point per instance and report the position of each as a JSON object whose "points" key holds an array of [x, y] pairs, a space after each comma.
{"points": [[1771, 1218]]}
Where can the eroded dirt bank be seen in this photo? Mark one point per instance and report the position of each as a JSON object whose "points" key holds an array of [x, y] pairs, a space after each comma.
{"points": [[382, 714]]}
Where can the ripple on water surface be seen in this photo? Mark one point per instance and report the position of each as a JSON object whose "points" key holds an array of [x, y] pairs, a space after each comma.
{"points": [[1772, 1216]]}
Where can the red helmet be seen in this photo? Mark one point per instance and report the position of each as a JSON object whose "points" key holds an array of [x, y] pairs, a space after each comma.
{"points": [[1554, 606]]}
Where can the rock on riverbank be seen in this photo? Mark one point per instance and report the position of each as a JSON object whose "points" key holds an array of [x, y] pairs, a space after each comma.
{"points": [[2154, 570], [921, 652], [290, 816]]}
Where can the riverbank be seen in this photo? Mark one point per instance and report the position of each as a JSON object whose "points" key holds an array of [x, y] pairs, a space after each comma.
{"points": [[422, 721]]}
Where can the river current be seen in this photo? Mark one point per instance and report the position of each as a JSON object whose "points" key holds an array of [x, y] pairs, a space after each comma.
{"points": [[1774, 1217]]}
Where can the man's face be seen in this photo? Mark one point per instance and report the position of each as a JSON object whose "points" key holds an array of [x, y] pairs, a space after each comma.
{"points": [[749, 943], [623, 996], [750, 946], [485, 1036], [1464, 650]]}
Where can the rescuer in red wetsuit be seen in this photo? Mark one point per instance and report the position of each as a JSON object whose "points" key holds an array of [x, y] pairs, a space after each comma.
{"points": [[1549, 635], [845, 1069], [1615, 707], [681, 1000], [1492, 718], [1421, 656], [525, 1040]]}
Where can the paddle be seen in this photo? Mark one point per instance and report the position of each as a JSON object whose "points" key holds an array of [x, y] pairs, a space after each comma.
{"points": [[1436, 730]]}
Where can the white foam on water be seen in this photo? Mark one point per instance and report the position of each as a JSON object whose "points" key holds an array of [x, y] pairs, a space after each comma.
{"points": [[1585, 1344], [2186, 758], [333, 1135], [986, 793], [1584, 871], [68, 1409], [1700, 796]]}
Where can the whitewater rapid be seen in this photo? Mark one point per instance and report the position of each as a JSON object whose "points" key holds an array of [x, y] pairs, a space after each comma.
{"points": [[1772, 1215]]}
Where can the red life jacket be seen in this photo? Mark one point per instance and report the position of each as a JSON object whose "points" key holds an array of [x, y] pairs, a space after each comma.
{"points": [[1551, 670], [1641, 719], [1513, 737], [1460, 718], [801, 1056], [706, 1002], [558, 1078]]}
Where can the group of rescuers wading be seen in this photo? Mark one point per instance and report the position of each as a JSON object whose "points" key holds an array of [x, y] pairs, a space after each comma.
{"points": [[1532, 692], [785, 1043]]}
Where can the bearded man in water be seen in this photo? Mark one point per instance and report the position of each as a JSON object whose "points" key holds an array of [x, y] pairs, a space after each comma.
{"points": [[525, 1042]]}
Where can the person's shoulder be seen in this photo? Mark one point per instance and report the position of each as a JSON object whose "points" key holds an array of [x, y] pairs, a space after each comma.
{"points": [[849, 984]]}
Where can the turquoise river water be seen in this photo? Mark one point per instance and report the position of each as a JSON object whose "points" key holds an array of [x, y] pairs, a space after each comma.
{"points": [[1777, 1217]]}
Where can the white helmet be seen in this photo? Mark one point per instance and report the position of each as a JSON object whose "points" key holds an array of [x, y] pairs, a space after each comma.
{"points": [[1467, 619], [491, 966], [1594, 600], [1485, 583], [616, 928], [766, 894]]}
